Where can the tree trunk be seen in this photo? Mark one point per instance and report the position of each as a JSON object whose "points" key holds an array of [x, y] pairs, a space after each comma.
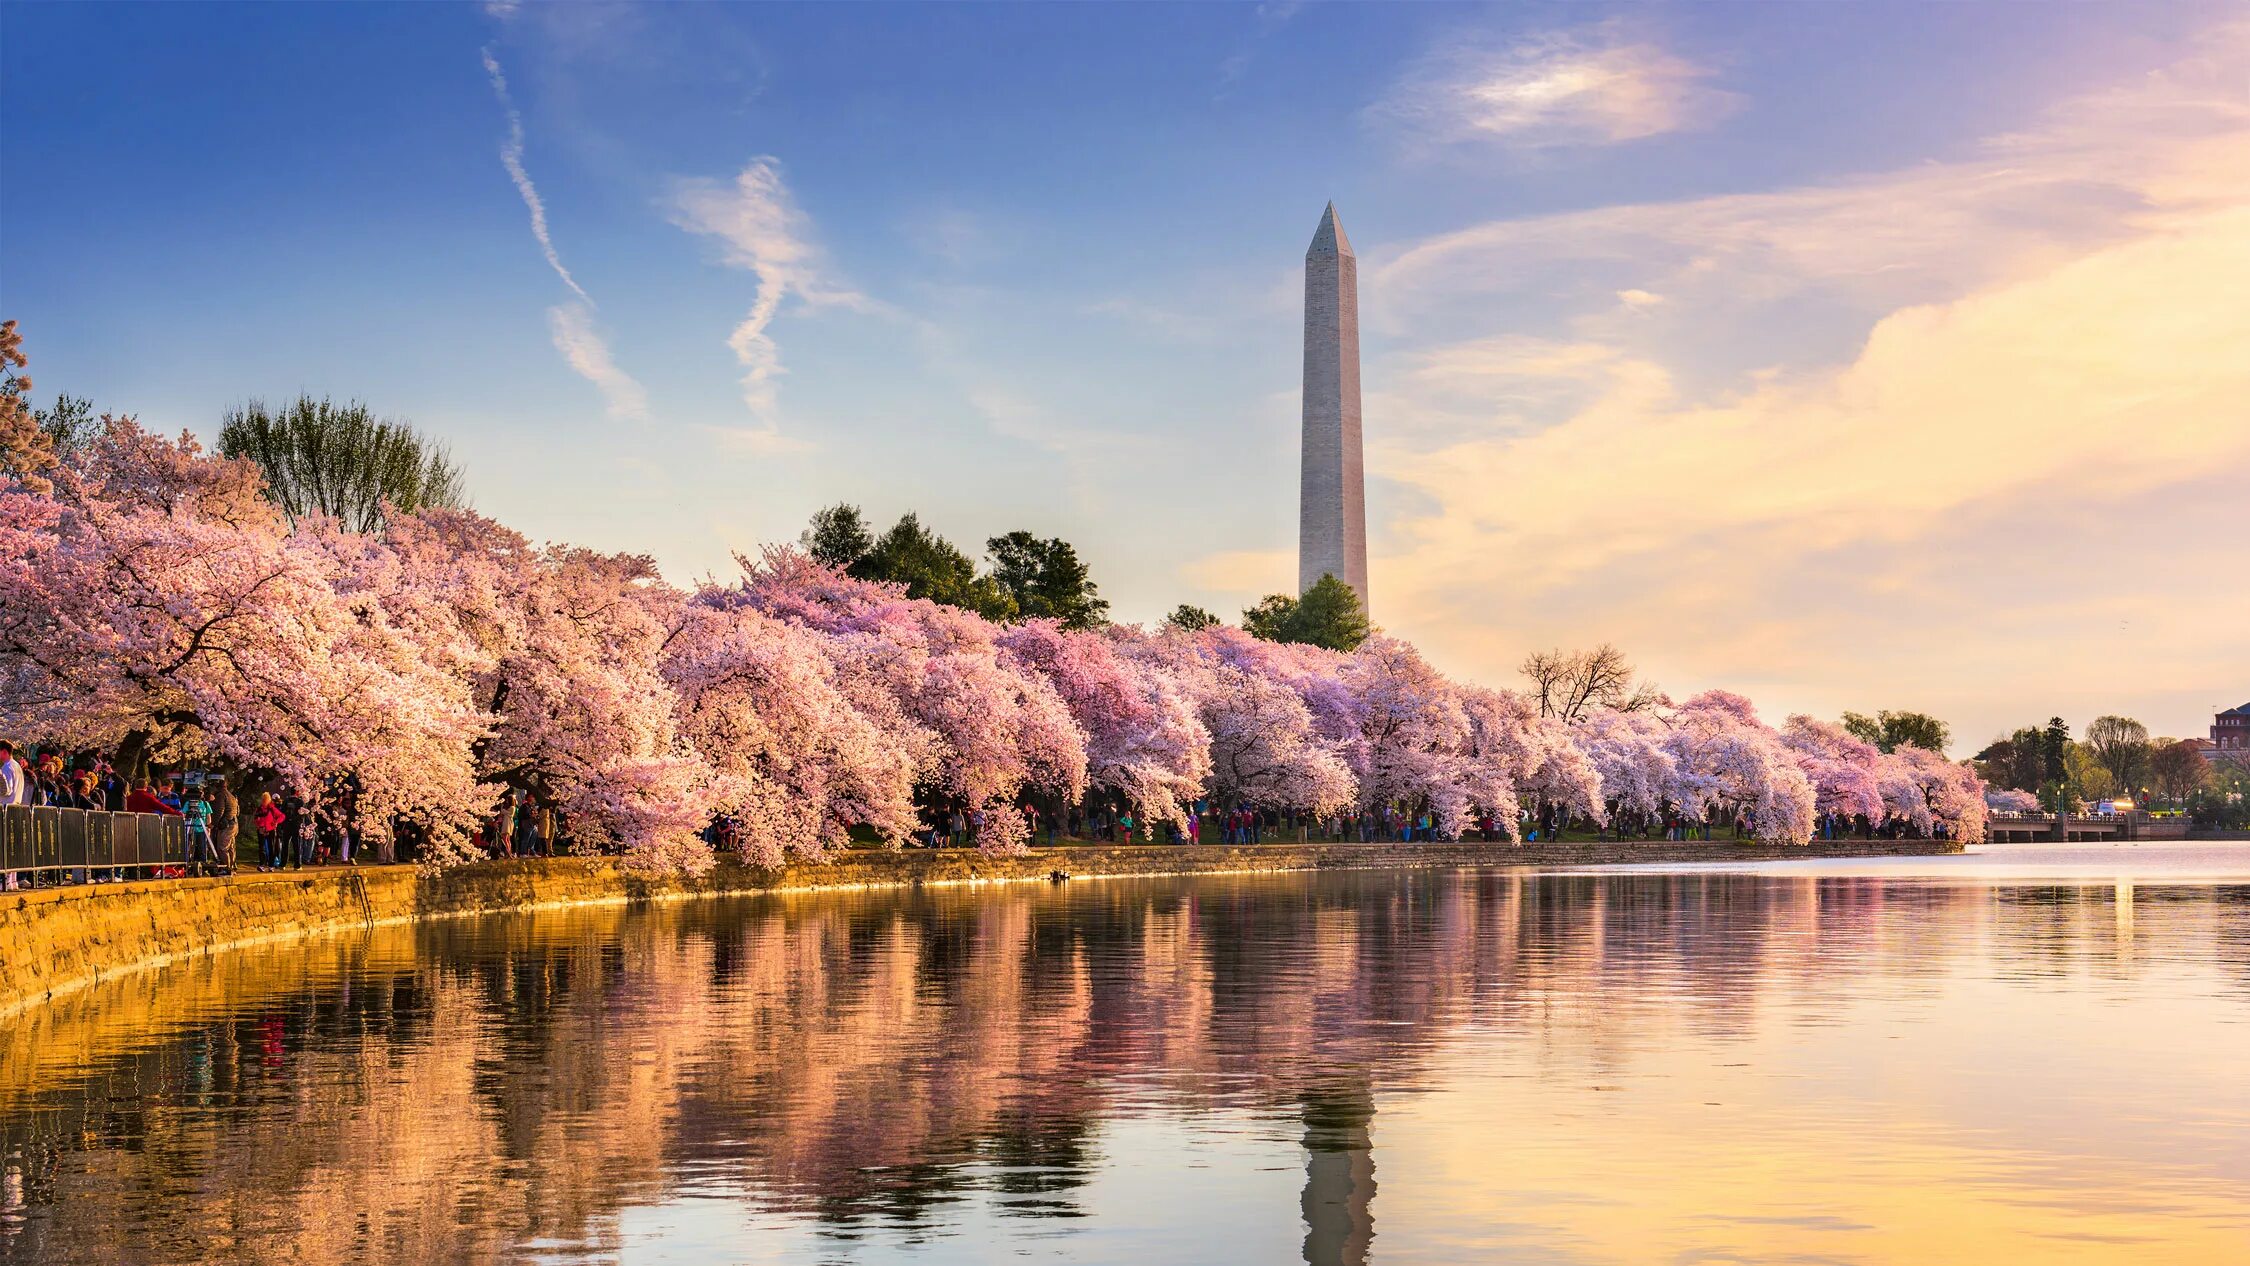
{"points": [[131, 760]]}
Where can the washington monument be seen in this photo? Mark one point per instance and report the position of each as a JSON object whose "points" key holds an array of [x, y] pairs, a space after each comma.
{"points": [[1332, 509]]}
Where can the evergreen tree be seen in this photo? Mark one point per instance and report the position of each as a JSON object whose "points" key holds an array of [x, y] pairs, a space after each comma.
{"points": [[2018, 761], [2052, 745], [1327, 615], [70, 426], [1190, 617], [1274, 618], [1046, 580], [932, 567], [838, 536]]}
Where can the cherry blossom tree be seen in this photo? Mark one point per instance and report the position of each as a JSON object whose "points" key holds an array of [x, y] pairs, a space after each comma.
{"points": [[795, 765], [583, 714], [1414, 734], [1632, 755], [1726, 758], [1143, 738], [1842, 768], [1950, 794], [1265, 748], [26, 454], [153, 603], [989, 727], [2010, 800], [132, 625], [1543, 759]]}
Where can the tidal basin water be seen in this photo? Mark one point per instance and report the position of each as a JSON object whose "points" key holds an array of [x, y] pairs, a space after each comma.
{"points": [[2028, 1055]]}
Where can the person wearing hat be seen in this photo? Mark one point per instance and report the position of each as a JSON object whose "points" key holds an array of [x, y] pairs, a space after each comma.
{"points": [[81, 793], [47, 779]]}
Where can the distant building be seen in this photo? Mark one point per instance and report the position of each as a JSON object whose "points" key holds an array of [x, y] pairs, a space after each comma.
{"points": [[2230, 730]]}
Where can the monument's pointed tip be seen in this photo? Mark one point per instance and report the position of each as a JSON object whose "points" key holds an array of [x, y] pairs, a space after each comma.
{"points": [[1329, 237]]}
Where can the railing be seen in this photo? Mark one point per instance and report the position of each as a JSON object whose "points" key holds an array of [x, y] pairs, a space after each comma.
{"points": [[41, 845]]}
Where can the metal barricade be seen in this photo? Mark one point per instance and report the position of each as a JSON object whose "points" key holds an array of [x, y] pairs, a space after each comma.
{"points": [[46, 824], [70, 831], [42, 845], [15, 840], [46, 850]]}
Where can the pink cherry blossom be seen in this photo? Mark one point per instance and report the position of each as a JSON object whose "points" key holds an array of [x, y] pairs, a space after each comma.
{"points": [[1725, 758], [1143, 739], [1842, 768], [153, 603], [2010, 800]]}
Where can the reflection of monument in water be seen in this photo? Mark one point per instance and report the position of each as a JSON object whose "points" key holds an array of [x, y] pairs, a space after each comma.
{"points": [[1339, 1174]]}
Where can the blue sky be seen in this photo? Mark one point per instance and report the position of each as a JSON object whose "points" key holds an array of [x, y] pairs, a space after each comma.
{"points": [[1767, 341]]}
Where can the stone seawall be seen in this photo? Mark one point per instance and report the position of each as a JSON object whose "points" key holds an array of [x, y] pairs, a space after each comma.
{"points": [[56, 940]]}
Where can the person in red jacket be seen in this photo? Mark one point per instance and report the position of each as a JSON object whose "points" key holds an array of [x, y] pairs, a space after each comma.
{"points": [[142, 800], [269, 820]]}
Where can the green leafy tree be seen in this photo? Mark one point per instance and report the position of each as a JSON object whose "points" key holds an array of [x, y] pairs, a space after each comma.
{"points": [[2018, 761], [2120, 745], [1892, 730], [1046, 580], [2224, 799], [323, 458], [932, 567], [2086, 776], [838, 536], [70, 426], [1274, 618], [1190, 617], [2179, 768], [1327, 615]]}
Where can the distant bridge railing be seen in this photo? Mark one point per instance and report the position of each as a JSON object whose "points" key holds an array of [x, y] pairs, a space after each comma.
{"points": [[43, 845], [2062, 827]]}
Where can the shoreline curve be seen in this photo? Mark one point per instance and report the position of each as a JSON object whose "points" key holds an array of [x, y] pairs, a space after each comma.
{"points": [[57, 941]]}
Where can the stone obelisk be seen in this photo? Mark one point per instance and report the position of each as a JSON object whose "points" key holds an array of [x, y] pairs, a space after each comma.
{"points": [[1332, 509]]}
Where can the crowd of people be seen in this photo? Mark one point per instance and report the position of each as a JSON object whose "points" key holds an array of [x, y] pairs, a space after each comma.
{"points": [[289, 833], [206, 807], [1204, 821]]}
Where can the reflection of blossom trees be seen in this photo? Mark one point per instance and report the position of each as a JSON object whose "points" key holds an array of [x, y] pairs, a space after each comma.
{"points": [[452, 1091]]}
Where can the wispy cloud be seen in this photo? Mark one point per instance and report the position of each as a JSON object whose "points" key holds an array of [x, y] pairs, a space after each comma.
{"points": [[511, 157], [1266, 19], [1590, 87], [570, 324], [764, 440], [2043, 357], [758, 224]]}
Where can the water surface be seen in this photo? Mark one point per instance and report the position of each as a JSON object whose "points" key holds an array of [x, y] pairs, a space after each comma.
{"points": [[2026, 1055]]}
